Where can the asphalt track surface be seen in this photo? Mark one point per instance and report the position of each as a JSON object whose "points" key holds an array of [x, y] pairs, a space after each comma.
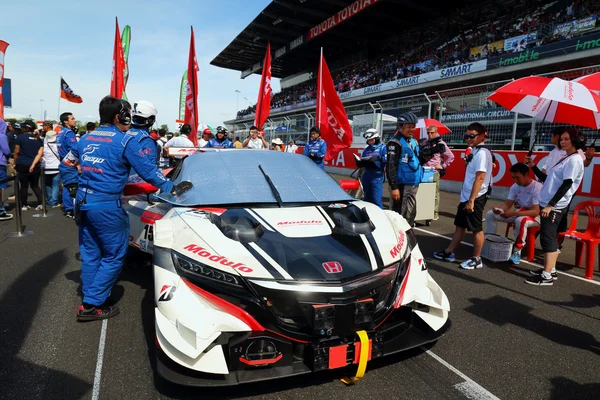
{"points": [[509, 340]]}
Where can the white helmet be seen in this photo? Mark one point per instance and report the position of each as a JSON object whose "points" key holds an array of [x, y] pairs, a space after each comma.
{"points": [[371, 134], [143, 113]]}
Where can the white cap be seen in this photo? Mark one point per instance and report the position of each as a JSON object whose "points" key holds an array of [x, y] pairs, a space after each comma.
{"points": [[144, 109]]}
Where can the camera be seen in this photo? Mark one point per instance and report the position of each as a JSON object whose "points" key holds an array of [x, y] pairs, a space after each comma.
{"points": [[432, 147]]}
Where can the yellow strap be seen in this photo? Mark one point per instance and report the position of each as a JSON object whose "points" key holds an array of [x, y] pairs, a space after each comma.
{"points": [[362, 361]]}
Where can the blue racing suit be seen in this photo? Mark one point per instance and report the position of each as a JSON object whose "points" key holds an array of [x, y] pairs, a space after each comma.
{"points": [[372, 179], [219, 144], [106, 156], [66, 140], [149, 146], [316, 150]]}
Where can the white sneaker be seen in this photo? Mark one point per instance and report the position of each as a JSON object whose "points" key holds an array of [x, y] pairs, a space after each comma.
{"points": [[25, 208], [39, 208]]}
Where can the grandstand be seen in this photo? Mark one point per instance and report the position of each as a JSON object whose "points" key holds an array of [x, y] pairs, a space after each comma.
{"points": [[435, 59]]}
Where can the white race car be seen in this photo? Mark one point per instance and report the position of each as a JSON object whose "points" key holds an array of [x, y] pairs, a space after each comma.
{"points": [[266, 268]]}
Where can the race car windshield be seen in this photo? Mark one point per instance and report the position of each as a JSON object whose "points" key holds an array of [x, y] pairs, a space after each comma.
{"points": [[234, 177]]}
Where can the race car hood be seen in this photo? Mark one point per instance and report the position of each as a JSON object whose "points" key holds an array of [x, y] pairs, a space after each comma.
{"points": [[332, 243]]}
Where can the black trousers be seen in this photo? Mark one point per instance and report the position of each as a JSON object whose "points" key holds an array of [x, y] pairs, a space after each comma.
{"points": [[29, 179]]}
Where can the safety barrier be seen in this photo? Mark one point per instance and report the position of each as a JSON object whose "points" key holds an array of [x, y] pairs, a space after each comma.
{"points": [[20, 232], [45, 212]]}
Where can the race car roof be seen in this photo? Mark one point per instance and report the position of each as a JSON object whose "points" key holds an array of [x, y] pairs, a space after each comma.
{"points": [[288, 25], [225, 177]]}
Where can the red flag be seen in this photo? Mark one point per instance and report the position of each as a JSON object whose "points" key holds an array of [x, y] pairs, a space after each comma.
{"points": [[3, 46], [67, 93], [191, 93], [331, 116], [117, 84], [263, 105]]}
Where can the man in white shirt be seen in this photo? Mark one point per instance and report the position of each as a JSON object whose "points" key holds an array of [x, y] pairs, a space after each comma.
{"points": [[524, 195], [474, 194], [291, 147], [163, 161], [254, 141], [180, 140]]}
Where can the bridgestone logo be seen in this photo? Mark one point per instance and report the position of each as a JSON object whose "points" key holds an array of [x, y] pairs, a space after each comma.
{"points": [[202, 252]]}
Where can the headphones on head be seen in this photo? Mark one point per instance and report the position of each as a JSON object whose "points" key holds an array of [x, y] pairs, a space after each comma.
{"points": [[124, 116]]}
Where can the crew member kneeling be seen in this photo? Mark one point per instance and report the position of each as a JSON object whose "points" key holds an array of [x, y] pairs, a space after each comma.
{"points": [[524, 195], [106, 156]]}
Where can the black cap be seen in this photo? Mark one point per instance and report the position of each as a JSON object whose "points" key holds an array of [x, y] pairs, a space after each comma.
{"points": [[29, 124]]}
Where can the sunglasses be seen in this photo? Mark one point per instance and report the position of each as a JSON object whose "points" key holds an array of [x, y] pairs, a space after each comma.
{"points": [[472, 135]]}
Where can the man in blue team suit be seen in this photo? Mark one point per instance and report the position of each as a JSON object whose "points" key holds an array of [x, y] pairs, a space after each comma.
{"points": [[220, 141], [105, 157], [404, 171], [66, 140], [143, 117], [316, 148], [373, 160]]}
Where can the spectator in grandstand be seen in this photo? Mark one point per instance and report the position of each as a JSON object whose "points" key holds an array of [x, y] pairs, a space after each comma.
{"points": [[4, 154], [27, 149], [255, 141], [291, 147], [474, 194], [316, 148], [206, 134], [439, 160], [237, 143], [524, 195], [562, 182], [50, 163], [404, 169], [220, 141], [373, 160]]}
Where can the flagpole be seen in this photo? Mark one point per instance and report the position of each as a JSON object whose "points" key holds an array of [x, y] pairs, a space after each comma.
{"points": [[58, 111], [320, 86]]}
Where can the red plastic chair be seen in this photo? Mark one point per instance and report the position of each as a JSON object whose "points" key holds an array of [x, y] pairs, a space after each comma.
{"points": [[590, 238], [531, 237]]}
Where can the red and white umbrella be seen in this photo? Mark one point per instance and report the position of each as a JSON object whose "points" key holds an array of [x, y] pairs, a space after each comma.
{"points": [[551, 99], [591, 81], [424, 123]]}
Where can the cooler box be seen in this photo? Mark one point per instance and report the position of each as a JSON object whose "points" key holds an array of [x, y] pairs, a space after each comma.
{"points": [[428, 174]]}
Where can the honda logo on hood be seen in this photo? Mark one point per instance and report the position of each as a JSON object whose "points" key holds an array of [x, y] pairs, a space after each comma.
{"points": [[332, 267]]}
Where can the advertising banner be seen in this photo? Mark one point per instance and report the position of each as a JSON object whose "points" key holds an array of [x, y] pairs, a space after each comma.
{"points": [[519, 43], [587, 42], [341, 16], [487, 48], [575, 27], [484, 114], [501, 171]]}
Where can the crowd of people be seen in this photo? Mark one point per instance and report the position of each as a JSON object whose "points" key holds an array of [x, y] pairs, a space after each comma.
{"points": [[452, 47]]}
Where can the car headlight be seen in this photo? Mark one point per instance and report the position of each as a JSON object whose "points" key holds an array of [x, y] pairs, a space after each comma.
{"points": [[186, 266]]}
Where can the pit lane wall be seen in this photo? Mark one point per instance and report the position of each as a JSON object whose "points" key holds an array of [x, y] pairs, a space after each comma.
{"points": [[452, 182]]}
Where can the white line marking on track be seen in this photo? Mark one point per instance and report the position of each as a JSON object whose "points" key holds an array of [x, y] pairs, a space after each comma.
{"points": [[523, 261], [469, 388], [98, 374]]}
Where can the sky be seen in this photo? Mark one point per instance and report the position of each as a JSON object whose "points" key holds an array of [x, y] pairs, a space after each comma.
{"points": [[75, 39]]}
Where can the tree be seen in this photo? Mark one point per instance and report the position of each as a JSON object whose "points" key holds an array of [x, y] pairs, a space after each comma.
{"points": [[165, 127]]}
